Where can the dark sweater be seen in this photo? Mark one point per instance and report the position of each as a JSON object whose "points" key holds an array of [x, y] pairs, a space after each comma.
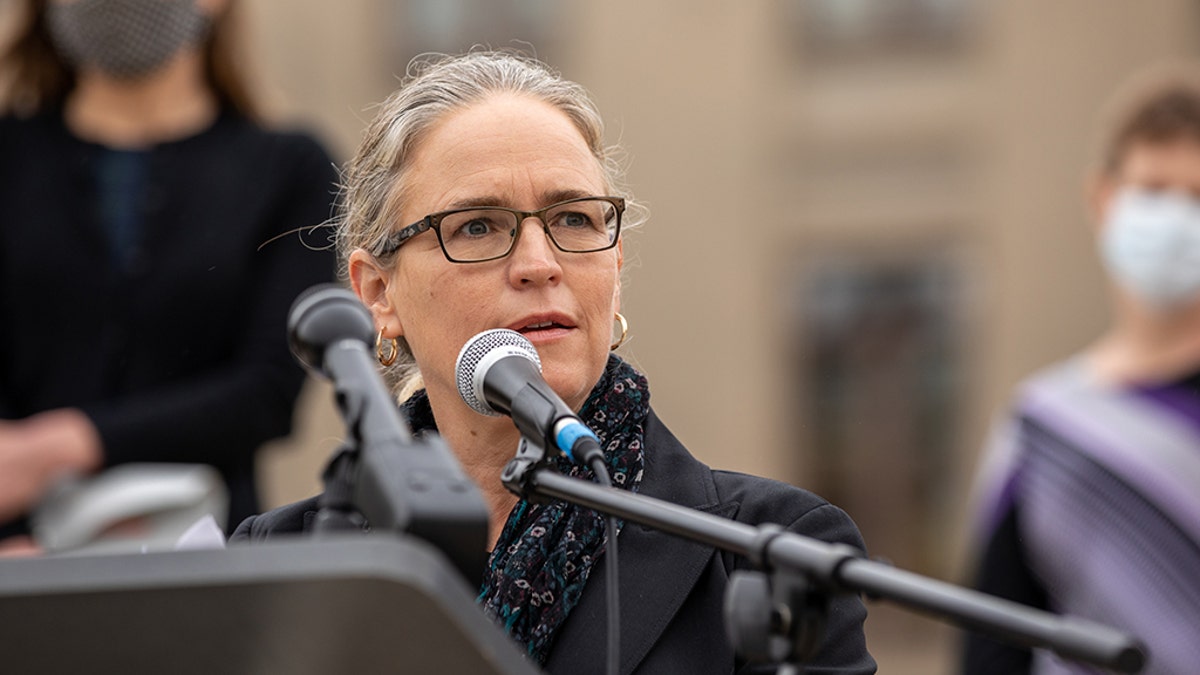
{"points": [[179, 354]]}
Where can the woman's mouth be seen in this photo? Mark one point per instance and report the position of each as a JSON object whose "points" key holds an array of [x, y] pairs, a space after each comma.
{"points": [[541, 325], [544, 329]]}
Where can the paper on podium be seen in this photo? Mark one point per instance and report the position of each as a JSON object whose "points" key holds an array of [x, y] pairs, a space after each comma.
{"points": [[202, 534], [349, 604]]}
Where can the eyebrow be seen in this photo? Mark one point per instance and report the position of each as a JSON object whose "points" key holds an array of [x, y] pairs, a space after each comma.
{"points": [[548, 198]]}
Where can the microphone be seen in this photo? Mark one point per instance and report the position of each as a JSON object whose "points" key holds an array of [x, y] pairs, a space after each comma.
{"points": [[330, 332], [499, 373], [321, 316]]}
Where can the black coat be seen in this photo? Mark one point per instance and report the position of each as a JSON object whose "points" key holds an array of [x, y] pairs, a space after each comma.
{"points": [[672, 590]]}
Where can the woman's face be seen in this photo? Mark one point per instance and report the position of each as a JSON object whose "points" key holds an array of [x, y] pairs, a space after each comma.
{"points": [[520, 153]]}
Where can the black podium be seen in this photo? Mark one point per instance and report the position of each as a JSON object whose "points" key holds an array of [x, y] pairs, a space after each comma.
{"points": [[355, 604]]}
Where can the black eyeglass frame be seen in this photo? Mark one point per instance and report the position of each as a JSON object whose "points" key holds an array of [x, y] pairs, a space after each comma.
{"points": [[433, 222]]}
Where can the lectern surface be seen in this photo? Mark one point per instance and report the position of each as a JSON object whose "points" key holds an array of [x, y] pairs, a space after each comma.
{"points": [[344, 605]]}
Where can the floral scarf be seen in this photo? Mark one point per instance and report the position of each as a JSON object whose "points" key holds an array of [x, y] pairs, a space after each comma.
{"points": [[546, 552]]}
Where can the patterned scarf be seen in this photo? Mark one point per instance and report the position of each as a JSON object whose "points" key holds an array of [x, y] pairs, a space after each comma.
{"points": [[545, 553]]}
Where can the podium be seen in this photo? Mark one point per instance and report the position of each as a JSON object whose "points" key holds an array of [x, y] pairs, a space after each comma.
{"points": [[353, 604]]}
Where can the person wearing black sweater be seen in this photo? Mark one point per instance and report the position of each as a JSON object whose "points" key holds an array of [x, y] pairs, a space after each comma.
{"points": [[144, 281]]}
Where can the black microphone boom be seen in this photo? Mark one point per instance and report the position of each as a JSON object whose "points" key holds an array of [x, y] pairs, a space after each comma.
{"points": [[837, 568], [396, 482]]}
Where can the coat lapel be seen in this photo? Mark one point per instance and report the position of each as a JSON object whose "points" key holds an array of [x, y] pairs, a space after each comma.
{"points": [[657, 571]]}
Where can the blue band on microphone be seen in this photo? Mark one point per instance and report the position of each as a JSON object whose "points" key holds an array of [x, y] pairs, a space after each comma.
{"points": [[569, 433]]}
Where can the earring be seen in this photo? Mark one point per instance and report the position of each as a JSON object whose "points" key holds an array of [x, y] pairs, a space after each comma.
{"points": [[386, 359], [624, 331]]}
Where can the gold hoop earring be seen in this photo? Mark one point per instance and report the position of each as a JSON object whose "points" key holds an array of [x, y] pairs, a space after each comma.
{"points": [[624, 331], [386, 359]]}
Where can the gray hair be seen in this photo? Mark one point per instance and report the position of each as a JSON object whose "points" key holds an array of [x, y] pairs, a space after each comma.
{"points": [[374, 182]]}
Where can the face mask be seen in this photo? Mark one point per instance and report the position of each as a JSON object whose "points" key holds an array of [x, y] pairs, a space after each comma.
{"points": [[126, 39], [1151, 246]]}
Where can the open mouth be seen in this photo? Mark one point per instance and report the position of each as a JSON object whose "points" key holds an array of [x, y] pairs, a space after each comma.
{"points": [[541, 325], [546, 326]]}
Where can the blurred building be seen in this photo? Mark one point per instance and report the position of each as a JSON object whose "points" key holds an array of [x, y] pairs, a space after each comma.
{"points": [[867, 219], [867, 222]]}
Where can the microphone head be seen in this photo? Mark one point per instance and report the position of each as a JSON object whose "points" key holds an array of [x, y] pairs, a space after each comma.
{"points": [[322, 315], [478, 356]]}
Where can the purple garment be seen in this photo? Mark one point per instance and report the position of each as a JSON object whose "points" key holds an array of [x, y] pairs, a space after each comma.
{"points": [[1180, 398], [1106, 482]]}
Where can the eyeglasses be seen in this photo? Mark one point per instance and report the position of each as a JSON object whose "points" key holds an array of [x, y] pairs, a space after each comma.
{"points": [[482, 233]]}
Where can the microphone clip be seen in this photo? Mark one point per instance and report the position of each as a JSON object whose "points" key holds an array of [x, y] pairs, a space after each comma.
{"points": [[520, 475], [776, 616]]}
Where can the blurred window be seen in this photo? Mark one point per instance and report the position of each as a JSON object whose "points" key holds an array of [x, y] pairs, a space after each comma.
{"points": [[879, 350], [841, 30], [454, 26]]}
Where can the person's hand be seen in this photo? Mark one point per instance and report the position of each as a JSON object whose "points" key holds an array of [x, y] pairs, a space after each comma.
{"points": [[36, 451], [20, 546]]}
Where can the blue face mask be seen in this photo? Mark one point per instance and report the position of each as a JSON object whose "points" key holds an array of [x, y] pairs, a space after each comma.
{"points": [[126, 39], [1150, 245]]}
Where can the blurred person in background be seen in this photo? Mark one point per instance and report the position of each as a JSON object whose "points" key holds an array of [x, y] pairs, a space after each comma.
{"points": [[1090, 492], [140, 321]]}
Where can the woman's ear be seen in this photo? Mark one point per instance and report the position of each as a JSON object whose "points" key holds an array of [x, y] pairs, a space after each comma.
{"points": [[370, 282]]}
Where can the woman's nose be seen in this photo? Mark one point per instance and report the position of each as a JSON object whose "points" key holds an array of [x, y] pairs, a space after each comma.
{"points": [[534, 258]]}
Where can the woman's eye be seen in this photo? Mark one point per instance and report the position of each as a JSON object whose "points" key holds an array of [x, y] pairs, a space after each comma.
{"points": [[475, 228], [574, 220]]}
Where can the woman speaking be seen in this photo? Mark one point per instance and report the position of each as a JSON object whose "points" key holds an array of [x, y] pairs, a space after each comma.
{"points": [[481, 197]]}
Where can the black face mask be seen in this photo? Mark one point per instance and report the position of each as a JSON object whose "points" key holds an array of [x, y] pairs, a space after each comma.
{"points": [[126, 39]]}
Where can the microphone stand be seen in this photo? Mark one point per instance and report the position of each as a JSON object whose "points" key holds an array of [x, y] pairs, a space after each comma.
{"points": [[778, 615], [381, 473], [398, 483]]}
